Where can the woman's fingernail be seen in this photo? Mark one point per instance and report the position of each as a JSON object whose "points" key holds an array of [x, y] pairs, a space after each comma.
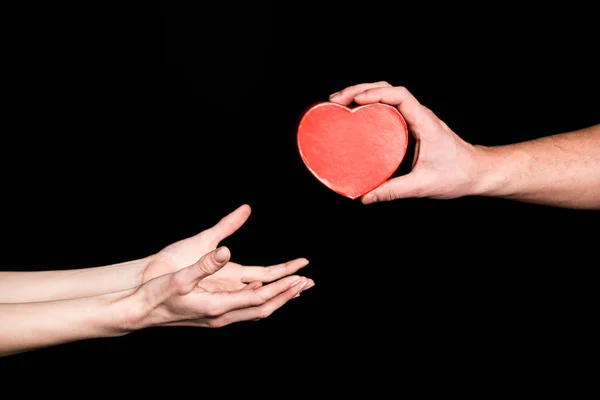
{"points": [[331, 96], [221, 255], [301, 286], [295, 282]]}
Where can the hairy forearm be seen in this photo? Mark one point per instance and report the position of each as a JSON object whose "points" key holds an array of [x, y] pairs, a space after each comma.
{"points": [[21, 287], [561, 170], [29, 326]]}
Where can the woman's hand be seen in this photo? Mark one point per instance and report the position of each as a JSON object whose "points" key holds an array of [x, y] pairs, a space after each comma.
{"points": [[231, 276], [195, 296]]}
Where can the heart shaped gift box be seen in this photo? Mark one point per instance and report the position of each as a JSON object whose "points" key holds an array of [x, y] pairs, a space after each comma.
{"points": [[352, 150]]}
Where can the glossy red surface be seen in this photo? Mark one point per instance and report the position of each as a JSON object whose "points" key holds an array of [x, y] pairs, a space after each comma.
{"points": [[352, 150]]}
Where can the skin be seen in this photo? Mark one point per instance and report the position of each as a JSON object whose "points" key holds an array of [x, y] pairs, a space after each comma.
{"points": [[189, 283], [560, 170]]}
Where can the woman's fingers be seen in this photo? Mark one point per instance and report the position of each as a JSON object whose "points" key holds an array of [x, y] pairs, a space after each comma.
{"points": [[223, 302], [273, 272], [262, 311]]}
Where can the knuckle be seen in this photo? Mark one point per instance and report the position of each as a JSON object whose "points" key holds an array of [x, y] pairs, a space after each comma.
{"points": [[402, 90], [178, 281], [420, 192], [383, 83], [351, 89], [386, 195], [264, 312], [216, 323], [204, 236], [345, 91], [271, 272], [214, 309], [262, 315], [205, 266], [256, 299]]}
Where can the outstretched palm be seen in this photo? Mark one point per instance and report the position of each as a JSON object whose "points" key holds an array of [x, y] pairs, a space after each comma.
{"points": [[231, 277]]}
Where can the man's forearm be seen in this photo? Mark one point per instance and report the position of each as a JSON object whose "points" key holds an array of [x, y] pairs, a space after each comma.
{"points": [[561, 170], [21, 287], [30, 326]]}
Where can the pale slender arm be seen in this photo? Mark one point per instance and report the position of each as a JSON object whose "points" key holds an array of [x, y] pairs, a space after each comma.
{"points": [[172, 299], [29, 326], [560, 170], [22, 287]]}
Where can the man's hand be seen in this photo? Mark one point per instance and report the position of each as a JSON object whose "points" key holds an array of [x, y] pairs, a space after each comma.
{"points": [[444, 165], [558, 170]]}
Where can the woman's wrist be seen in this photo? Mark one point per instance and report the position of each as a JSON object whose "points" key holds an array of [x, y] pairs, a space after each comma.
{"points": [[122, 312]]}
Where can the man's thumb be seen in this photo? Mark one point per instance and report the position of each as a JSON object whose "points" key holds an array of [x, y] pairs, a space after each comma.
{"points": [[401, 187], [188, 278]]}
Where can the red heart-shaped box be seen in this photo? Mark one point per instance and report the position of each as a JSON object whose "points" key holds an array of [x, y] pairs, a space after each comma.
{"points": [[352, 150]]}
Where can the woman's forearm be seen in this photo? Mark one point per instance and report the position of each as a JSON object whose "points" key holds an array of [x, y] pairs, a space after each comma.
{"points": [[22, 287], [30, 326], [560, 170]]}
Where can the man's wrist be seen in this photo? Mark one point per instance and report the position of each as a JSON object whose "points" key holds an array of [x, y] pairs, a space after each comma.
{"points": [[494, 166]]}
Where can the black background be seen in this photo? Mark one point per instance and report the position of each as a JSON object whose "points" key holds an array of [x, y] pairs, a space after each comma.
{"points": [[127, 128]]}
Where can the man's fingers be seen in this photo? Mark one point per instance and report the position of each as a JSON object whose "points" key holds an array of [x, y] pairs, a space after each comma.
{"points": [[382, 92], [273, 272], [228, 224], [410, 108], [406, 186], [229, 301], [346, 96], [187, 279], [265, 309]]}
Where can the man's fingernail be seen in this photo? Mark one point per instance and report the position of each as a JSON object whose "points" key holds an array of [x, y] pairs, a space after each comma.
{"points": [[221, 255], [331, 96], [369, 198]]}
